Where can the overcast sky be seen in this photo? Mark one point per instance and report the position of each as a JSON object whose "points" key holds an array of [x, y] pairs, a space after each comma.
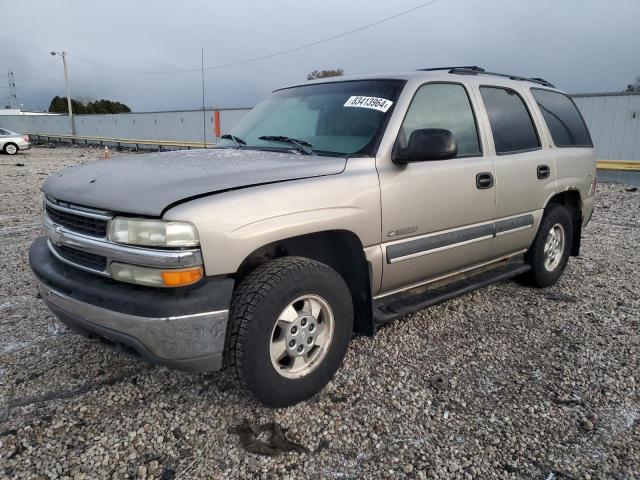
{"points": [[580, 45]]}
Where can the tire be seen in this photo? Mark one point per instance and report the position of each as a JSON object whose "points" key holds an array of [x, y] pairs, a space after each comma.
{"points": [[10, 148], [269, 311], [549, 253]]}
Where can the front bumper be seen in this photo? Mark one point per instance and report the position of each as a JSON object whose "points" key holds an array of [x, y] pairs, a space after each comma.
{"points": [[182, 328]]}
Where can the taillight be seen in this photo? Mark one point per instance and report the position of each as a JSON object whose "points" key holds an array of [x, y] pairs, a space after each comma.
{"points": [[25, 138]]}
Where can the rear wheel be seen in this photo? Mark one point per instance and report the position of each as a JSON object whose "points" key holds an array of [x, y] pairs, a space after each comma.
{"points": [[289, 328], [551, 248], [10, 149]]}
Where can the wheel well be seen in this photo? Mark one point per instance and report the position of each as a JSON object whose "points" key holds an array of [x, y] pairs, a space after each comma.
{"points": [[573, 202], [340, 250]]}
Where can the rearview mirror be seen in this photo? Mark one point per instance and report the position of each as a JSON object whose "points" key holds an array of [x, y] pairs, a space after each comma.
{"points": [[427, 144]]}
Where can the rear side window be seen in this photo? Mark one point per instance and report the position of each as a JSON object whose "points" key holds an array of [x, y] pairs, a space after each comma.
{"points": [[563, 119], [443, 105], [511, 124]]}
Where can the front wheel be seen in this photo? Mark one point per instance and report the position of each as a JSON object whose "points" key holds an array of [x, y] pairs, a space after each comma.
{"points": [[289, 327], [551, 248]]}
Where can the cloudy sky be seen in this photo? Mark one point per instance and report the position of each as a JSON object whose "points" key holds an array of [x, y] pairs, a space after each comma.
{"points": [[580, 45]]}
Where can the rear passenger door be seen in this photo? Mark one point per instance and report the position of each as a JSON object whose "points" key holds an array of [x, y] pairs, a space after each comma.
{"points": [[570, 142], [524, 167]]}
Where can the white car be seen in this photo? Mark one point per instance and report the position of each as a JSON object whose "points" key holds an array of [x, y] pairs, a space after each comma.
{"points": [[12, 142]]}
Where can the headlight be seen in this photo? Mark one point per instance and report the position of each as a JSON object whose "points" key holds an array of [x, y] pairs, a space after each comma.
{"points": [[152, 233], [155, 277]]}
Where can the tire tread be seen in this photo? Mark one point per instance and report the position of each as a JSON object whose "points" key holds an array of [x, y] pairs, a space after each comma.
{"points": [[251, 291]]}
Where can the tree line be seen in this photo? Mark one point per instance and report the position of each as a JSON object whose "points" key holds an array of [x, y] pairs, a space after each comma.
{"points": [[59, 105]]}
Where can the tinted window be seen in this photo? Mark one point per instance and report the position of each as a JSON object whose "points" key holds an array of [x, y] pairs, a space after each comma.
{"points": [[511, 124], [563, 119], [443, 105], [3, 132]]}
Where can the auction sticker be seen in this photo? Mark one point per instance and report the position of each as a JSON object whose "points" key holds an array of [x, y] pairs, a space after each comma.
{"points": [[375, 103]]}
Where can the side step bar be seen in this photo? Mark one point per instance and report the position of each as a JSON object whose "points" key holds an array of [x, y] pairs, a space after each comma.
{"points": [[390, 308]]}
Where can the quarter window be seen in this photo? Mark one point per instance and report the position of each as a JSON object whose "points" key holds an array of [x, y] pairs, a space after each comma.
{"points": [[563, 119], [511, 124], [447, 106]]}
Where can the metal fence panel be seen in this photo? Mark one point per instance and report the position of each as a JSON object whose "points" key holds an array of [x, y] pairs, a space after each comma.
{"points": [[180, 126], [614, 123]]}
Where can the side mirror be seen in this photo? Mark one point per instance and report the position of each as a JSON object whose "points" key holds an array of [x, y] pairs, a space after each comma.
{"points": [[427, 144]]}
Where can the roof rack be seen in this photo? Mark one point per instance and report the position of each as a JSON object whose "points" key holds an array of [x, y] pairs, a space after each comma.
{"points": [[475, 70]]}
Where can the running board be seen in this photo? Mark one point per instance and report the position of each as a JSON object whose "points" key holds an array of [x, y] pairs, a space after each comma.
{"points": [[389, 308]]}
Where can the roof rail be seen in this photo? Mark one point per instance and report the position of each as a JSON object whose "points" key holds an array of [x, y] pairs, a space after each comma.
{"points": [[464, 67], [474, 70]]}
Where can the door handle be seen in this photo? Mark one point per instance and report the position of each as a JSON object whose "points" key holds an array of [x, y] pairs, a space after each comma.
{"points": [[484, 180], [543, 171]]}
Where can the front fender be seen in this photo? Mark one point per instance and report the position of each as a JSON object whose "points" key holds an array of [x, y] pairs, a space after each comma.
{"points": [[232, 225]]}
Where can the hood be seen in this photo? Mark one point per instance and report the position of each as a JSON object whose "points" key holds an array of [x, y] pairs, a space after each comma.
{"points": [[147, 184]]}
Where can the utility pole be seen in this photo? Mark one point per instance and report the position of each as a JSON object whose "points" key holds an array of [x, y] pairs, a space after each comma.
{"points": [[67, 90], [204, 114], [13, 99]]}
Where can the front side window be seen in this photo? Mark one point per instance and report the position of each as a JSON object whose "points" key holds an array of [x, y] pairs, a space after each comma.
{"points": [[335, 118], [565, 123], [511, 125], [446, 106]]}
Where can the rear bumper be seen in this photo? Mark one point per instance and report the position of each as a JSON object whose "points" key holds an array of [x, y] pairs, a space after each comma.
{"points": [[180, 328], [24, 146]]}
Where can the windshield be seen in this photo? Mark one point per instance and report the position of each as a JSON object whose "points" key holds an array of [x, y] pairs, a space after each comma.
{"points": [[337, 118]]}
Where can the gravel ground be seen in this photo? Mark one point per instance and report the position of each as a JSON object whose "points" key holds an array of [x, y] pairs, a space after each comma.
{"points": [[536, 384]]}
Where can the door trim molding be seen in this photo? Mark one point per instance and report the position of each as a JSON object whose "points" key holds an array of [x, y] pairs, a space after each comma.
{"points": [[409, 248]]}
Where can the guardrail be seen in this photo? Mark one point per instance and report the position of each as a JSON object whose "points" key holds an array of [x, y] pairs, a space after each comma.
{"points": [[121, 141]]}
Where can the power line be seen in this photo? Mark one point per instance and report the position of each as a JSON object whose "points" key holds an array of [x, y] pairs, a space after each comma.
{"points": [[270, 55]]}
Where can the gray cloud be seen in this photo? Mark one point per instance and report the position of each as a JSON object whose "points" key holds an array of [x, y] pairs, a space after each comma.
{"points": [[581, 46]]}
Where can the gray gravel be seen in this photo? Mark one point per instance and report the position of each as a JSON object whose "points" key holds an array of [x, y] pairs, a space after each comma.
{"points": [[507, 382]]}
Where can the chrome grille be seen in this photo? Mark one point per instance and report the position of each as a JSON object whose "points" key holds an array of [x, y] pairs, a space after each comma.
{"points": [[77, 222]]}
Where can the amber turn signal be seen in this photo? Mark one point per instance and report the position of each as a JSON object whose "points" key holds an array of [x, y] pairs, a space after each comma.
{"points": [[179, 278]]}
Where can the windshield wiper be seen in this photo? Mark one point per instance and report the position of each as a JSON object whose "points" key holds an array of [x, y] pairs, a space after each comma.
{"points": [[239, 142], [301, 145]]}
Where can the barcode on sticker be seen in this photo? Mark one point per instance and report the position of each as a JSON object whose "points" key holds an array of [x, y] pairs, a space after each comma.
{"points": [[375, 103]]}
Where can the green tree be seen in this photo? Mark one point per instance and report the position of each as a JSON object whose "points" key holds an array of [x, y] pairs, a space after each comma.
{"points": [[316, 74], [634, 87], [58, 105]]}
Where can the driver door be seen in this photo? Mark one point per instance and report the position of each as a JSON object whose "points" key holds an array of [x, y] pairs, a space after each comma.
{"points": [[436, 217]]}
